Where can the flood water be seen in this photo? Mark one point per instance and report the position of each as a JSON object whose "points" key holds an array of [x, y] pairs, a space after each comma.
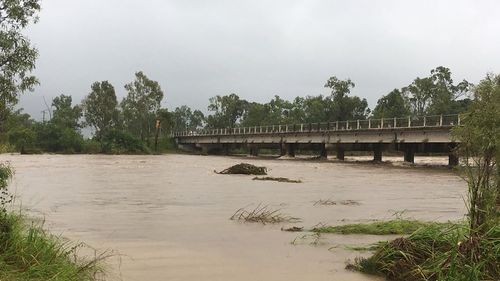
{"points": [[168, 216]]}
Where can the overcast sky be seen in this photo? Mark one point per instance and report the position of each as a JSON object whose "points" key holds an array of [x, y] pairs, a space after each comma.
{"points": [[257, 49]]}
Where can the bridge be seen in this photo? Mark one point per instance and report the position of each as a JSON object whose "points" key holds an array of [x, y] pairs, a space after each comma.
{"points": [[410, 135]]}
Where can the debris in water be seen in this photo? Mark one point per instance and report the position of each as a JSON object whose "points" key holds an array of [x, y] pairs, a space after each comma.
{"points": [[244, 169], [293, 229], [276, 179], [329, 202], [263, 215]]}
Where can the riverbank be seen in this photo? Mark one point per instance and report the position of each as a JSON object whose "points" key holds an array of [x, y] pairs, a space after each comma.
{"points": [[29, 252]]}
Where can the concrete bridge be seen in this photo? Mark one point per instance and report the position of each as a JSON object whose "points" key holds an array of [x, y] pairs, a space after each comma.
{"points": [[425, 134]]}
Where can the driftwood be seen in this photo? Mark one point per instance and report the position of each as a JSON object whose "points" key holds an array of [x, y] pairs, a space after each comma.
{"points": [[244, 169]]}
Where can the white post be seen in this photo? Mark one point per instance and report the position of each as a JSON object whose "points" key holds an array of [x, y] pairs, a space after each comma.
{"points": [[369, 123], [425, 121], [409, 121], [382, 123], [358, 124], [441, 120], [395, 122]]}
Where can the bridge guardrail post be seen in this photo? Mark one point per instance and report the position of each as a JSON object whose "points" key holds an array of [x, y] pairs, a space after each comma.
{"points": [[382, 123], [409, 121], [425, 121], [357, 121], [441, 120]]}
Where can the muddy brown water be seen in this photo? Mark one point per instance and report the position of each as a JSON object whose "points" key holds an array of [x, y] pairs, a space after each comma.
{"points": [[168, 216]]}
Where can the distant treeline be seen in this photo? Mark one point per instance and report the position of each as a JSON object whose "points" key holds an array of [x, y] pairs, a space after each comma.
{"points": [[129, 126]]}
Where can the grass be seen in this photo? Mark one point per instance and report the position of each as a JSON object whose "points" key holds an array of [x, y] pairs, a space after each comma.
{"points": [[330, 202], [262, 214], [276, 179], [28, 252], [396, 226], [435, 253]]}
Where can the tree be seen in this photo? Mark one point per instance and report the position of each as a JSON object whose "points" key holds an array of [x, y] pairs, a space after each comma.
{"points": [[17, 56], [141, 105], [436, 94], [391, 105], [343, 107], [100, 108], [227, 111], [66, 115], [479, 138], [185, 119]]}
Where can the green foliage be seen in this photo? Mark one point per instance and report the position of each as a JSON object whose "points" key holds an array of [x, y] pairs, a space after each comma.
{"points": [[397, 226], [100, 108], [54, 138], [436, 94], [22, 138], [141, 106], [120, 142], [185, 119], [437, 253], [227, 111], [6, 174], [342, 107], [391, 105], [479, 138], [30, 253], [17, 56], [65, 115]]}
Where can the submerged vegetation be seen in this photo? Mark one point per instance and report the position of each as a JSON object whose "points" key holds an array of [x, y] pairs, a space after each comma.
{"points": [[28, 252], [244, 169], [436, 253], [397, 226], [279, 179], [330, 202], [262, 214]]}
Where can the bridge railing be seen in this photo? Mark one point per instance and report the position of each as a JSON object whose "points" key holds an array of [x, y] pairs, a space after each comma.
{"points": [[432, 121]]}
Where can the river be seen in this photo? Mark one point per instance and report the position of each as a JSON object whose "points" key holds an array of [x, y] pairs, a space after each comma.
{"points": [[168, 216]]}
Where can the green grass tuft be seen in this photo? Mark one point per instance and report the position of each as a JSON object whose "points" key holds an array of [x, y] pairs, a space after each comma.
{"points": [[436, 253], [28, 252], [398, 226]]}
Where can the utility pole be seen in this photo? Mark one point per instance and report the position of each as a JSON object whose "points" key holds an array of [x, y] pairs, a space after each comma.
{"points": [[157, 125]]}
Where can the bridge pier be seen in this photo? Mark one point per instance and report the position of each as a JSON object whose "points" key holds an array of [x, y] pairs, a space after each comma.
{"points": [[290, 149], [453, 158], [409, 152], [323, 151], [253, 150], [377, 153], [340, 153], [204, 149]]}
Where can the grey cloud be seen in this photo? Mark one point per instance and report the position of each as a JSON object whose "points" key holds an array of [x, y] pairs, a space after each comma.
{"points": [[198, 49]]}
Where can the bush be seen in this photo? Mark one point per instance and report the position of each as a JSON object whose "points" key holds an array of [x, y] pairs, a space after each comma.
{"points": [[119, 142]]}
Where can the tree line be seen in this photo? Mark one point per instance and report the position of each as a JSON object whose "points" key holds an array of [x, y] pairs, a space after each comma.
{"points": [[129, 126]]}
